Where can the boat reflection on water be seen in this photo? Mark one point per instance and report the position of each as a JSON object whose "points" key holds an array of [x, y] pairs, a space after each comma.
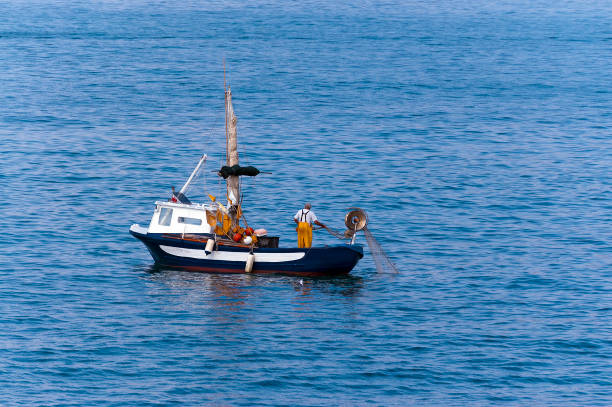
{"points": [[230, 307], [234, 290], [227, 288]]}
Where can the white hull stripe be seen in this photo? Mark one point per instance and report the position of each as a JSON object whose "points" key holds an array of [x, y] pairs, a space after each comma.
{"points": [[231, 256]]}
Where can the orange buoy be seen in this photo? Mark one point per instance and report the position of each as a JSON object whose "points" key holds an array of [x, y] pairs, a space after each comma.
{"points": [[237, 237]]}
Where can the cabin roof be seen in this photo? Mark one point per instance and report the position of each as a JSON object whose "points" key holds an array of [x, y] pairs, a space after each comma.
{"points": [[185, 206]]}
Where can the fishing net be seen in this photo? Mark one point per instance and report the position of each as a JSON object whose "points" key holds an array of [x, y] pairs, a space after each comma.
{"points": [[382, 261]]}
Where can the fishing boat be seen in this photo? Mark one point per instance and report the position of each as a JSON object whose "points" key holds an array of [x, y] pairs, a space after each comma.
{"points": [[213, 237]]}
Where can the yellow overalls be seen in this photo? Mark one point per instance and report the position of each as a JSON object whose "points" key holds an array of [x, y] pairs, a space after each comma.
{"points": [[304, 231]]}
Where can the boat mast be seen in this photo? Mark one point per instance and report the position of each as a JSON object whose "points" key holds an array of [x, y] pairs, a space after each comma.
{"points": [[231, 138], [225, 93]]}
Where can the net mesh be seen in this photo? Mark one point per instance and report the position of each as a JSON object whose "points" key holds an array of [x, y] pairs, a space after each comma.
{"points": [[381, 259]]}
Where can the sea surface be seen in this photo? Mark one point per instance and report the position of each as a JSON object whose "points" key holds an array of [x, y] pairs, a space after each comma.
{"points": [[476, 134]]}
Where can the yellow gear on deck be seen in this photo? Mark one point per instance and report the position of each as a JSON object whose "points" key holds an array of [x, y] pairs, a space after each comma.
{"points": [[211, 219], [227, 223], [304, 231], [224, 223]]}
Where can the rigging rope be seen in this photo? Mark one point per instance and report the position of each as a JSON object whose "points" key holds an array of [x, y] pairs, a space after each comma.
{"points": [[335, 233]]}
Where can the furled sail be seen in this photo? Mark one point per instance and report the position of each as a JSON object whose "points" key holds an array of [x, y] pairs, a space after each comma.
{"points": [[233, 183], [237, 170]]}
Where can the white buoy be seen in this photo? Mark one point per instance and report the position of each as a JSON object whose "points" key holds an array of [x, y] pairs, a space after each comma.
{"points": [[249, 263], [209, 246]]}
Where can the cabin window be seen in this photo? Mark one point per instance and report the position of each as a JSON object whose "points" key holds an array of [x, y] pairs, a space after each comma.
{"points": [[190, 221], [165, 216]]}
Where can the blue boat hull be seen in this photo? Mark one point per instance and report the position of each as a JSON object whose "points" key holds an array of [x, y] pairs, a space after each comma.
{"points": [[172, 251]]}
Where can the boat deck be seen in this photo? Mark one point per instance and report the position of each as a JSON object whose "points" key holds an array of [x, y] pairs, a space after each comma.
{"points": [[221, 240]]}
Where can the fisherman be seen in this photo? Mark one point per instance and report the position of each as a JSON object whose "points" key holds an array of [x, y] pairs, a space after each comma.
{"points": [[304, 219]]}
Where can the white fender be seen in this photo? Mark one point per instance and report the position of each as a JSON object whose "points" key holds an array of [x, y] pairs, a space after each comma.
{"points": [[210, 243], [249, 263]]}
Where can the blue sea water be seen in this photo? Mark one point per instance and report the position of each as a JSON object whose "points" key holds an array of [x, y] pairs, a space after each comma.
{"points": [[475, 134]]}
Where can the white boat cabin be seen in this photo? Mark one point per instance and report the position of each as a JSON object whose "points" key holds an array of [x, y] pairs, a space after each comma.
{"points": [[176, 217], [180, 215]]}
